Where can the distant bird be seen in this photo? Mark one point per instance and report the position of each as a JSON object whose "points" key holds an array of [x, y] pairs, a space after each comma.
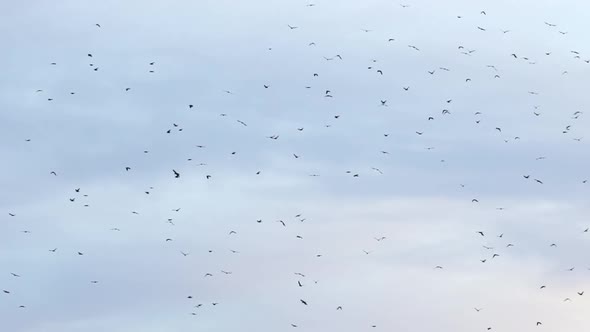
{"points": [[176, 174], [302, 301]]}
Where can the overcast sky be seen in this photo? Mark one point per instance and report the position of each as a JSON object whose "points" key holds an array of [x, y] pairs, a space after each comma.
{"points": [[374, 195]]}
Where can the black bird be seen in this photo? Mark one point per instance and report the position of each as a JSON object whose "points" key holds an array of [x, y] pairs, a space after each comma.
{"points": [[303, 302], [176, 174]]}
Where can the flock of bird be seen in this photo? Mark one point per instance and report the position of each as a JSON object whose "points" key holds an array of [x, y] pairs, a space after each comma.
{"points": [[494, 247]]}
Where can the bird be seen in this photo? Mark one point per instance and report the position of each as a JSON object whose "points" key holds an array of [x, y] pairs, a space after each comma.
{"points": [[176, 174], [304, 302]]}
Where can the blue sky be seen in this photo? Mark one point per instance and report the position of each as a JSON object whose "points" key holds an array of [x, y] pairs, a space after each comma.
{"points": [[416, 190]]}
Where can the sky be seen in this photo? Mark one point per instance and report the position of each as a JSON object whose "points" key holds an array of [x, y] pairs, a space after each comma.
{"points": [[324, 160]]}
